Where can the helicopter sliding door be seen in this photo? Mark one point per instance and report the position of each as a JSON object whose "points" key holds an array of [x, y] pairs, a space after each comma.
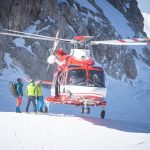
{"points": [[58, 83], [54, 85], [61, 82]]}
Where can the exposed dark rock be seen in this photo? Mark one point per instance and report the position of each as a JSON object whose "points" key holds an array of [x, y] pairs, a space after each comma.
{"points": [[146, 57]]}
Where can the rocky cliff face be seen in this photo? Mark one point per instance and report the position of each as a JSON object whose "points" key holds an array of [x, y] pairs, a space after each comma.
{"points": [[131, 11], [72, 18], [18, 14]]}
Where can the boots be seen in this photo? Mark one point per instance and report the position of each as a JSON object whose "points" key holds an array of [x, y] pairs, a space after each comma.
{"points": [[41, 110], [18, 109]]}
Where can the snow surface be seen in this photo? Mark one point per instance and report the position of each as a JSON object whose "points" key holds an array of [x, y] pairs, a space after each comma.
{"points": [[20, 42], [65, 132], [32, 28], [87, 5]]}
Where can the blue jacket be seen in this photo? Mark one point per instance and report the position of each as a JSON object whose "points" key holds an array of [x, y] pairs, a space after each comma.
{"points": [[19, 89]]}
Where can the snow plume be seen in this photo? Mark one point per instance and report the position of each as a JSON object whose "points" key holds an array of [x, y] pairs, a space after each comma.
{"points": [[146, 23]]}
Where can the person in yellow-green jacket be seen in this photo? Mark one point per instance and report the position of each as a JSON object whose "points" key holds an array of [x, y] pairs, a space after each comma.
{"points": [[31, 94], [39, 100]]}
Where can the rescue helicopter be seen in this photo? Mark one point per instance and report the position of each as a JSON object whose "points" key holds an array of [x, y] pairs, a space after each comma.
{"points": [[79, 79]]}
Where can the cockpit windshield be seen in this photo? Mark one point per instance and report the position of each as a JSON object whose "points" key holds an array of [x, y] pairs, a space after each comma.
{"points": [[75, 77], [95, 78]]}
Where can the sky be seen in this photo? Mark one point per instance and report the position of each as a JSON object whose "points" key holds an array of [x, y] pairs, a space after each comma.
{"points": [[144, 5], [147, 23]]}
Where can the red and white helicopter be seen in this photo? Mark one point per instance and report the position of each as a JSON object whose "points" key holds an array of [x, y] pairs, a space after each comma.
{"points": [[79, 80]]}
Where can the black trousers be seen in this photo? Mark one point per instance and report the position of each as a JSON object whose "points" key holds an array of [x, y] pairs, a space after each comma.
{"points": [[31, 98]]}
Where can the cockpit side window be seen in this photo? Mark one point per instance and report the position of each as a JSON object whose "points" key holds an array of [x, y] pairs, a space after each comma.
{"points": [[96, 77]]}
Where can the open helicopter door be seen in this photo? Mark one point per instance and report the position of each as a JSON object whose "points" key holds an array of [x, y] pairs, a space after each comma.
{"points": [[54, 87], [61, 82], [58, 84]]}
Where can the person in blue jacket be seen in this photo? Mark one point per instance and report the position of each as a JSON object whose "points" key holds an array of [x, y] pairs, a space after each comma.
{"points": [[19, 87]]}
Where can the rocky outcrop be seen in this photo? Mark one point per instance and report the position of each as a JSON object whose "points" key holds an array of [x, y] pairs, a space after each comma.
{"points": [[146, 57], [2, 50], [18, 14], [1, 59]]}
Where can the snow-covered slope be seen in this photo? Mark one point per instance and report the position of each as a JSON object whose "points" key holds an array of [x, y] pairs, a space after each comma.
{"points": [[64, 132]]}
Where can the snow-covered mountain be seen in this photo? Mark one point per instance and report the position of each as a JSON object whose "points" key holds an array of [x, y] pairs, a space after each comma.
{"points": [[127, 68], [128, 64]]}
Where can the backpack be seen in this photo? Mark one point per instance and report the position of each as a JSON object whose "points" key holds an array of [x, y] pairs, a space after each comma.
{"points": [[13, 88]]}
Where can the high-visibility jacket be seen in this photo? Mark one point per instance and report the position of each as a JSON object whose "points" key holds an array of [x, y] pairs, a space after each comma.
{"points": [[39, 90], [31, 90]]}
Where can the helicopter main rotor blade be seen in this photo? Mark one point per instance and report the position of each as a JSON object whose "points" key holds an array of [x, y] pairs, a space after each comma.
{"points": [[26, 33], [34, 36], [135, 41], [27, 36], [37, 35]]}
